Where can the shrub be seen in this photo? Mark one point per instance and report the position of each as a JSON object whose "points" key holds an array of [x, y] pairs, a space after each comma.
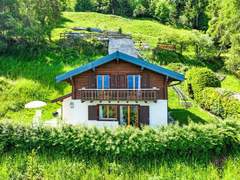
{"points": [[219, 104], [198, 79], [233, 65], [172, 141]]}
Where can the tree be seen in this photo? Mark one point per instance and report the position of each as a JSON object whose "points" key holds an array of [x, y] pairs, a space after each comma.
{"points": [[233, 62], [84, 5], [224, 22], [28, 22], [195, 11], [163, 11]]}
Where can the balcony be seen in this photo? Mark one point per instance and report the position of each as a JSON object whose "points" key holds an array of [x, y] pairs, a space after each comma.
{"points": [[118, 94]]}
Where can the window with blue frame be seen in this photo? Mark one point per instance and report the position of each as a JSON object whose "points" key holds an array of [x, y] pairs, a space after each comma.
{"points": [[103, 81], [134, 81]]}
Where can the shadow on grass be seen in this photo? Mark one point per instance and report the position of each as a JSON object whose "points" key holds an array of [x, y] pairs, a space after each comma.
{"points": [[184, 117], [62, 21]]}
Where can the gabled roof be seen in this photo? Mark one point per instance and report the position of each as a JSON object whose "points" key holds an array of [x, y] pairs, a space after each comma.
{"points": [[122, 57]]}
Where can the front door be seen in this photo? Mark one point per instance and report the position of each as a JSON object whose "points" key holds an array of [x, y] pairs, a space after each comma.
{"points": [[129, 115]]}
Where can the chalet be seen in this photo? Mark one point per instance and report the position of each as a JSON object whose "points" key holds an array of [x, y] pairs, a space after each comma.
{"points": [[117, 89]]}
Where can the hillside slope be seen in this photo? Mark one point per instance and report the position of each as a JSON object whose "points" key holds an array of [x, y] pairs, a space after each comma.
{"points": [[141, 29], [30, 79]]}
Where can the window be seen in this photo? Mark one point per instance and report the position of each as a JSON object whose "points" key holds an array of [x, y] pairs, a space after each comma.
{"points": [[103, 81], [108, 112], [134, 81], [129, 115]]}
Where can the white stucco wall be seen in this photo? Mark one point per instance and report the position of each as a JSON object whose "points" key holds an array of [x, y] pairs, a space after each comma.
{"points": [[75, 112], [158, 113]]}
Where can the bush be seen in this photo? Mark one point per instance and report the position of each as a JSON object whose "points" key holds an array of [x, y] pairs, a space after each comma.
{"points": [[198, 79], [220, 104], [172, 141], [233, 65]]}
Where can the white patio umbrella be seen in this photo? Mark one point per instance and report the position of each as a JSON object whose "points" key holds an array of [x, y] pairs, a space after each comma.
{"points": [[36, 105]]}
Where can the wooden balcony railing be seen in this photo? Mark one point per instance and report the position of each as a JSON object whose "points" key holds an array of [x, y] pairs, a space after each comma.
{"points": [[118, 94]]}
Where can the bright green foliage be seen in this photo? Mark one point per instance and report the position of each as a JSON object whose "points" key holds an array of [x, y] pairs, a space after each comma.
{"points": [[16, 94], [79, 46], [233, 62], [185, 12], [33, 170], [146, 30], [201, 43], [163, 11], [224, 28], [140, 11], [29, 80], [59, 167], [127, 143], [118, 7], [199, 78], [199, 84], [220, 104], [224, 21], [193, 13], [84, 5], [178, 67], [4, 84], [25, 24], [231, 83], [185, 116]]}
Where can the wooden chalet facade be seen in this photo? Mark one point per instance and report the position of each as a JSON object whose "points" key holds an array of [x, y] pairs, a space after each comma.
{"points": [[117, 89]]}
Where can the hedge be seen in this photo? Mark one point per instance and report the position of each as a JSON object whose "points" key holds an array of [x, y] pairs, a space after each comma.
{"points": [[200, 78], [220, 104], [172, 140]]}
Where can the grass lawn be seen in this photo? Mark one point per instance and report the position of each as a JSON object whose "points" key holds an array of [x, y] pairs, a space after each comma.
{"points": [[231, 83], [22, 166], [145, 29], [33, 80]]}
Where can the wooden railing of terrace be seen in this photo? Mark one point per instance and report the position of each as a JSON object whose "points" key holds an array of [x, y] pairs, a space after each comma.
{"points": [[118, 94]]}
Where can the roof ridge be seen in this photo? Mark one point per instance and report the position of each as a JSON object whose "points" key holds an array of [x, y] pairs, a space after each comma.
{"points": [[125, 57]]}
